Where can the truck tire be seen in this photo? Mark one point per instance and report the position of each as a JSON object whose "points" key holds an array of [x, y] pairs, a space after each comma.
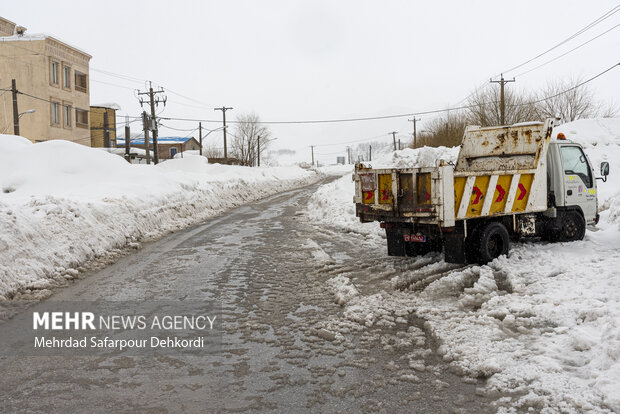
{"points": [[395, 242], [492, 241], [572, 226]]}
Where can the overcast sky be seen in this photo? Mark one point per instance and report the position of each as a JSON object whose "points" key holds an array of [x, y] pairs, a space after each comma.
{"points": [[300, 60]]}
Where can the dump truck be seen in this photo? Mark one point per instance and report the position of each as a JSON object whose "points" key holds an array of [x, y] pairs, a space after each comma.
{"points": [[508, 182]]}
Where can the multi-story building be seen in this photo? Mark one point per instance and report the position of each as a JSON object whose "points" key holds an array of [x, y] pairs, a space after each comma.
{"points": [[52, 79]]}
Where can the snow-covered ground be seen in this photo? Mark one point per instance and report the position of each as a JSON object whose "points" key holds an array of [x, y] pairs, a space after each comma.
{"points": [[543, 324], [63, 205]]}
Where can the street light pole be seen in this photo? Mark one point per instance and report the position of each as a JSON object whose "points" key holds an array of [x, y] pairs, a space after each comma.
{"points": [[208, 132]]}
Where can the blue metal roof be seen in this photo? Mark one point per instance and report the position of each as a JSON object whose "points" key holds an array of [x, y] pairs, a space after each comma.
{"points": [[160, 140]]}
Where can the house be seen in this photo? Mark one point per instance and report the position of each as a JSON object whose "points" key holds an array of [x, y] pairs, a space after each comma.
{"points": [[51, 77], [167, 147], [100, 115]]}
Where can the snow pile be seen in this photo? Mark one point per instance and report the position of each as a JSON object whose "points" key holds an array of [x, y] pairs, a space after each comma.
{"points": [[63, 204], [592, 132], [419, 157], [343, 290], [543, 325], [332, 204], [544, 321]]}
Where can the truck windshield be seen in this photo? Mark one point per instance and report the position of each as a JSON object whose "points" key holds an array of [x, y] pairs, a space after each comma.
{"points": [[576, 163]]}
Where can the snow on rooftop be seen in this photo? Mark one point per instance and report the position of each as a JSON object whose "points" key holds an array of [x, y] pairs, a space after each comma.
{"points": [[110, 105], [37, 37]]}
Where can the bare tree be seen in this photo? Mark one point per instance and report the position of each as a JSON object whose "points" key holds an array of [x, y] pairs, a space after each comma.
{"points": [[244, 143], [446, 130], [213, 151], [485, 108], [575, 103]]}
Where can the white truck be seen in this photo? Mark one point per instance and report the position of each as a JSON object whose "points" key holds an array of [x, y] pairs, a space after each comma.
{"points": [[508, 182]]}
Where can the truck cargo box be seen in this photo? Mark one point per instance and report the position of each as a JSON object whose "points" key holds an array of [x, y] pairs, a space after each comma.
{"points": [[499, 171]]}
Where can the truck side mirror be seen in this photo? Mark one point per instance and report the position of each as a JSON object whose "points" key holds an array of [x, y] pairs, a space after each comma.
{"points": [[605, 169]]}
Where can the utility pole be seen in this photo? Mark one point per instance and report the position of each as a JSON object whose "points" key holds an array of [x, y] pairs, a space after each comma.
{"points": [[258, 142], [502, 104], [312, 149], [370, 153], [224, 109], [399, 147], [15, 110], [127, 139], [394, 138], [200, 135], [145, 123], [415, 134], [154, 101], [106, 130]]}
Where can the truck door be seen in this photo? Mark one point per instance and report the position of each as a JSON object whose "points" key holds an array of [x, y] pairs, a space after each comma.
{"points": [[405, 193], [579, 181]]}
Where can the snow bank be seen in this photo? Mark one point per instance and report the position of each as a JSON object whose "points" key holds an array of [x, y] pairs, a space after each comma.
{"points": [[543, 325], [63, 204], [332, 204]]}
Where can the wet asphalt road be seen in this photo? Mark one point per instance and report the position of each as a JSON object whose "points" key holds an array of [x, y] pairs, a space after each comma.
{"points": [[267, 265]]}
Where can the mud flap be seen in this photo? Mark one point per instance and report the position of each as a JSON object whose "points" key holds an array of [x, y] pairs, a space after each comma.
{"points": [[395, 242], [454, 248]]}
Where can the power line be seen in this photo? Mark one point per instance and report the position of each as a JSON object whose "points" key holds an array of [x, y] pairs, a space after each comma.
{"points": [[569, 89], [566, 53], [434, 111], [579, 32], [318, 121], [177, 129]]}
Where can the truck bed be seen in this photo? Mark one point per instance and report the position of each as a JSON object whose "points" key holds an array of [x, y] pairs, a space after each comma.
{"points": [[499, 171]]}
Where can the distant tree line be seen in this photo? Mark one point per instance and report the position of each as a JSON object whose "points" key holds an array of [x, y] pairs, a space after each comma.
{"points": [[483, 109]]}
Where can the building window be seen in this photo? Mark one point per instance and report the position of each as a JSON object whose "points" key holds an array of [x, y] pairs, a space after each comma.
{"points": [[66, 77], [67, 115], [55, 113], [54, 72], [81, 82], [81, 118]]}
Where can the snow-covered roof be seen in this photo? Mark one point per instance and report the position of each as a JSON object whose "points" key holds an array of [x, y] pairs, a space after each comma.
{"points": [[110, 105], [37, 37]]}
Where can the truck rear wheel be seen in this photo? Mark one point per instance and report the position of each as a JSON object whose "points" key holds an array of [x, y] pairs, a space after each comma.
{"points": [[492, 241], [572, 226]]}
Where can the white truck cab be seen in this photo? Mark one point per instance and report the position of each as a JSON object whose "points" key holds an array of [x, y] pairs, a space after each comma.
{"points": [[571, 180]]}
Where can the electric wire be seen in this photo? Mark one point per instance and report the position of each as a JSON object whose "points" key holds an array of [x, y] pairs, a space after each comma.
{"points": [[579, 32]]}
